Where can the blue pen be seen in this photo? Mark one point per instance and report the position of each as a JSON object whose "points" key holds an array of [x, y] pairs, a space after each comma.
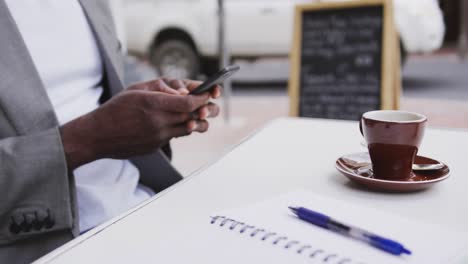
{"points": [[326, 222]]}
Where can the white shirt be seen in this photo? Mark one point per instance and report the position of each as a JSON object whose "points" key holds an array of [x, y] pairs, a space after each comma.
{"points": [[65, 53]]}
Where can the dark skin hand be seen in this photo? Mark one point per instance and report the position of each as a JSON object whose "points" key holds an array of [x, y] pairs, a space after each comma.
{"points": [[138, 121]]}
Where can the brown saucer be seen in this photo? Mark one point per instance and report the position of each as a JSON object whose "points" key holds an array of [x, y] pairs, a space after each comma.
{"points": [[357, 168]]}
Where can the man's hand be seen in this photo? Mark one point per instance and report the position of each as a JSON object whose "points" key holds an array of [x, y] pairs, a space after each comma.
{"points": [[185, 86], [137, 121]]}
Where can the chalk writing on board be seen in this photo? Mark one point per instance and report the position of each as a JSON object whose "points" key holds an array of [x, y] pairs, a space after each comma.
{"points": [[341, 55]]}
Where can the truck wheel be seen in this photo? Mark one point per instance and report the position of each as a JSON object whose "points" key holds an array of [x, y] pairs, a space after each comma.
{"points": [[176, 59], [210, 66], [403, 54]]}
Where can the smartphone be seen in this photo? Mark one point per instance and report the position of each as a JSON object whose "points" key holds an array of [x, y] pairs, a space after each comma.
{"points": [[216, 79]]}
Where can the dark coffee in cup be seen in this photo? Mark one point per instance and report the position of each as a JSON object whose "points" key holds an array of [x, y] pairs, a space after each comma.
{"points": [[393, 139]]}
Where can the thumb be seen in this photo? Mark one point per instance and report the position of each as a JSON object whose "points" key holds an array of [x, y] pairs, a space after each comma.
{"points": [[160, 85]]}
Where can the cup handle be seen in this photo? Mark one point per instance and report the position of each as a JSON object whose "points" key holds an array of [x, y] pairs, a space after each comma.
{"points": [[360, 126]]}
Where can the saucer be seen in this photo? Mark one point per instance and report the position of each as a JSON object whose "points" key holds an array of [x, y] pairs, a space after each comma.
{"points": [[358, 168]]}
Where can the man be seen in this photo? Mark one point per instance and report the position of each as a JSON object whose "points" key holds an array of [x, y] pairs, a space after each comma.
{"points": [[68, 131]]}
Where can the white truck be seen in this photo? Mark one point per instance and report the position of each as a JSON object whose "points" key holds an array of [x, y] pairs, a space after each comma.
{"points": [[180, 36]]}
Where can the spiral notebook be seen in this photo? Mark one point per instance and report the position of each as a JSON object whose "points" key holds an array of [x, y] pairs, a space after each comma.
{"points": [[266, 232]]}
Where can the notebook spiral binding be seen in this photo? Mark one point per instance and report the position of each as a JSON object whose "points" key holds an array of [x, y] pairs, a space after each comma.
{"points": [[276, 239]]}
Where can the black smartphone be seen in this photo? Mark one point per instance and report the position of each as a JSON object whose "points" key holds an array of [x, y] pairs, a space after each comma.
{"points": [[216, 79]]}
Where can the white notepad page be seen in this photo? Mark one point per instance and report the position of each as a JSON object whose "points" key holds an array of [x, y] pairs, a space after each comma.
{"points": [[212, 243]]}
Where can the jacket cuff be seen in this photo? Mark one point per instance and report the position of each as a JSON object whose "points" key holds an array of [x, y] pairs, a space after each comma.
{"points": [[35, 176]]}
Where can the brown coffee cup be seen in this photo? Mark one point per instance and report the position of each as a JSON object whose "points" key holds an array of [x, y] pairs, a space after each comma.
{"points": [[393, 139]]}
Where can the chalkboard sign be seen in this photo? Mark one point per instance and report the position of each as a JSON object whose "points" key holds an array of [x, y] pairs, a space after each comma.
{"points": [[343, 60]]}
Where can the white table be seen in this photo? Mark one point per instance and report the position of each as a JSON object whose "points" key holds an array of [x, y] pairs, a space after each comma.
{"points": [[288, 154]]}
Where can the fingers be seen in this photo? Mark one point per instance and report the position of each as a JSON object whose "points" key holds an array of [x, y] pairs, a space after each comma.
{"points": [[186, 129], [195, 121], [158, 85], [198, 126], [178, 85], [172, 119], [192, 85], [174, 86], [208, 111], [176, 131], [176, 103], [216, 92]]}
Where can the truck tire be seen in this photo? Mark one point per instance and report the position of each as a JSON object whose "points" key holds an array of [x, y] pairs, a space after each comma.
{"points": [[210, 66], [176, 59], [403, 54]]}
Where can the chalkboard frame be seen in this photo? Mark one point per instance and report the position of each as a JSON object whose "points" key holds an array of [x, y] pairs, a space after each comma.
{"points": [[390, 86]]}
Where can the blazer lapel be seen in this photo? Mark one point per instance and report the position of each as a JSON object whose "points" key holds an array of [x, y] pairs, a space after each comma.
{"points": [[102, 23], [23, 97]]}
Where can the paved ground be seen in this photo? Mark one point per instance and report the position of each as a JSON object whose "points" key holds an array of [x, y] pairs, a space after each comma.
{"points": [[436, 86], [436, 77]]}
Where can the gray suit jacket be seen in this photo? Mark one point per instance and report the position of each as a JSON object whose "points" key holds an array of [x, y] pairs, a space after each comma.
{"points": [[38, 205]]}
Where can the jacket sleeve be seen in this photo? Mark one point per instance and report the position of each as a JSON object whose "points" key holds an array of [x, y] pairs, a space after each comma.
{"points": [[167, 150], [34, 186]]}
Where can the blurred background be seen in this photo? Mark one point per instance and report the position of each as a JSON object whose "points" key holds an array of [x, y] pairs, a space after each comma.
{"points": [[181, 38]]}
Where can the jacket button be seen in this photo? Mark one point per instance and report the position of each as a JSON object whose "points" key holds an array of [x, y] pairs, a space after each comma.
{"points": [[49, 220], [25, 227], [38, 222], [15, 229], [28, 222], [37, 225], [49, 223]]}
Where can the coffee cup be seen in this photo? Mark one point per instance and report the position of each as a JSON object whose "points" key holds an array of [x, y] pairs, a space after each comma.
{"points": [[393, 139]]}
